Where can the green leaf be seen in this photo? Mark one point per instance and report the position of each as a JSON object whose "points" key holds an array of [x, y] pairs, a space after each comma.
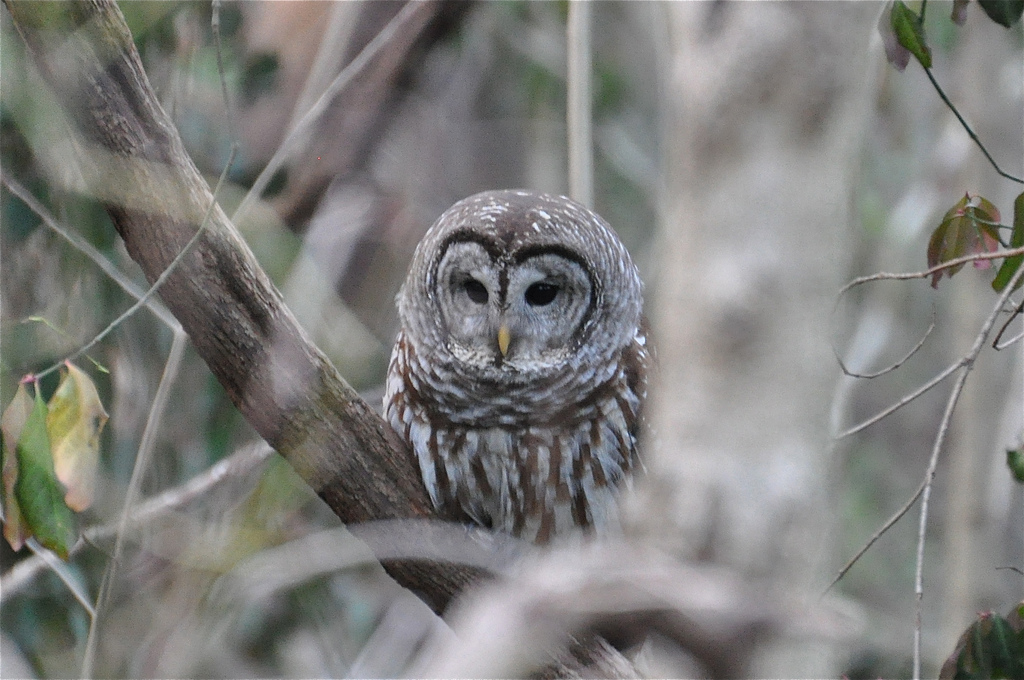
{"points": [[1003, 12], [1015, 461], [76, 418], [991, 647], [1001, 644], [969, 227], [39, 494], [896, 54], [11, 424], [909, 31], [1012, 264]]}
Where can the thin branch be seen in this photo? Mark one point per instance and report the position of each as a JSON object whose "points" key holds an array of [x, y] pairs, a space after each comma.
{"points": [[87, 249], [965, 362], [1013, 315], [902, 402], [888, 524], [156, 284], [905, 276], [347, 75], [1016, 570], [969, 359], [970, 132], [142, 464], [63, 572], [1012, 341], [887, 369], [237, 465]]}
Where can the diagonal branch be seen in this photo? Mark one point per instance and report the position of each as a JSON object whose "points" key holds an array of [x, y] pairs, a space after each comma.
{"points": [[282, 384]]}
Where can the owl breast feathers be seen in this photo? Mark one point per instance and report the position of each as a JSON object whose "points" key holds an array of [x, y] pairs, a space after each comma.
{"points": [[520, 370]]}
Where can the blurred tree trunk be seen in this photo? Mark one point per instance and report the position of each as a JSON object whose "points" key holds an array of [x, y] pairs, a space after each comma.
{"points": [[766, 105]]}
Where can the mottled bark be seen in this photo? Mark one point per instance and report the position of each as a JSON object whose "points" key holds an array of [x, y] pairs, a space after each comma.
{"points": [[765, 108]]}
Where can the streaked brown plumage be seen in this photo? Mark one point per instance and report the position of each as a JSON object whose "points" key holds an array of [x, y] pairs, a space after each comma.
{"points": [[520, 371]]}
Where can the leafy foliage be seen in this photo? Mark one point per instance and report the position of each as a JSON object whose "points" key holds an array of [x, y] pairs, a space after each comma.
{"points": [[970, 226], [76, 418], [992, 647], [11, 425], [50, 456], [40, 497], [1015, 461], [909, 30], [1003, 12], [1012, 264]]}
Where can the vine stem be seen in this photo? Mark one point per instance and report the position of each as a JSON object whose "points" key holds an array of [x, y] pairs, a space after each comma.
{"points": [[967, 128]]}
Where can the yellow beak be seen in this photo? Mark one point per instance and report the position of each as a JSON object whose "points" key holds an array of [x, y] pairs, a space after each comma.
{"points": [[504, 337]]}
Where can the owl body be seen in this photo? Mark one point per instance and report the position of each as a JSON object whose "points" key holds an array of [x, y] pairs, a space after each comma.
{"points": [[519, 375]]}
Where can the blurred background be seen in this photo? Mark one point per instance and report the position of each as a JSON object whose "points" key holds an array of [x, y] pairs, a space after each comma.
{"points": [[754, 157]]}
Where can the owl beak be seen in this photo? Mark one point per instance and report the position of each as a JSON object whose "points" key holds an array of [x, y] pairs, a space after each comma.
{"points": [[504, 338]]}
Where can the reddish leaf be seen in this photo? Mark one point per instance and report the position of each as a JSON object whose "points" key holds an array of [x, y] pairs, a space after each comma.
{"points": [[969, 227]]}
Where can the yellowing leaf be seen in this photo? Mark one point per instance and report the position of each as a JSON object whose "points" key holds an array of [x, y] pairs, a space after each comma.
{"points": [[40, 496], [11, 424], [76, 418]]}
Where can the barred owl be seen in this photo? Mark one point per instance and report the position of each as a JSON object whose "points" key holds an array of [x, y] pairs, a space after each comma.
{"points": [[520, 369]]}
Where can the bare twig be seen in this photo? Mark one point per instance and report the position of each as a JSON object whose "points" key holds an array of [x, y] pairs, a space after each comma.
{"points": [[996, 345], [298, 134], [888, 524], [156, 284], [948, 371], [1013, 315], [87, 249], [891, 367], [63, 572], [933, 463], [966, 362], [964, 365], [905, 276], [237, 465], [142, 464]]}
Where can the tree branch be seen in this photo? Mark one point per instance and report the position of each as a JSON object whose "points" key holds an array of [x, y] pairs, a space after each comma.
{"points": [[133, 161]]}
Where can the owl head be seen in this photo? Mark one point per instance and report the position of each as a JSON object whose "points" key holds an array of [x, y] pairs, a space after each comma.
{"points": [[516, 282]]}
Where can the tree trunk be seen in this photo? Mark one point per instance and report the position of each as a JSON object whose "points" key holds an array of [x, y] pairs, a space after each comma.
{"points": [[766, 104]]}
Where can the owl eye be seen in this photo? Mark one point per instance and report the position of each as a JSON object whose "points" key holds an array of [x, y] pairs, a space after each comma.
{"points": [[476, 291], [541, 294]]}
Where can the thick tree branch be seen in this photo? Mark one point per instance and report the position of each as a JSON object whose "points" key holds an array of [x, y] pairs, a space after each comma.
{"points": [[129, 156], [132, 159]]}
